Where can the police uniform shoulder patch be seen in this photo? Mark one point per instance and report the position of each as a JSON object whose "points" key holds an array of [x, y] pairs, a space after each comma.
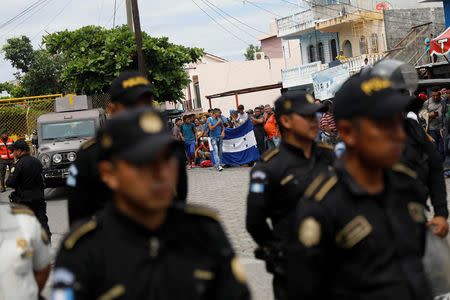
{"points": [[309, 232], [88, 143], [320, 186], [44, 236], [21, 209], [268, 155], [401, 168], [113, 293], [321, 145], [78, 233], [201, 211], [238, 270]]}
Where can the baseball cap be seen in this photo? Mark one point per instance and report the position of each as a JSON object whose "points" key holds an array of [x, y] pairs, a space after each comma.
{"points": [[250, 111], [137, 135], [20, 145], [129, 86], [365, 95], [298, 102]]}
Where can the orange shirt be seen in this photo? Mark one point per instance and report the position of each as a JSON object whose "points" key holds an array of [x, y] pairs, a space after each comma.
{"points": [[270, 126]]}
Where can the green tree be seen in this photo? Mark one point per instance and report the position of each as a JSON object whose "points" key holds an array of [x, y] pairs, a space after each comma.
{"points": [[43, 76], [95, 56], [40, 70], [19, 52], [250, 52]]}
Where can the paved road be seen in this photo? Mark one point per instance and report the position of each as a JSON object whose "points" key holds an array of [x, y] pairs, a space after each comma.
{"points": [[225, 191]]}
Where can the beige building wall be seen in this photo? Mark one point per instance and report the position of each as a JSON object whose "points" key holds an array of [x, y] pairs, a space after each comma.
{"points": [[219, 78], [374, 32]]}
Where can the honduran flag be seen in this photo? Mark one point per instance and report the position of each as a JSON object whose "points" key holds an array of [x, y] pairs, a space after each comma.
{"points": [[239, 145]]}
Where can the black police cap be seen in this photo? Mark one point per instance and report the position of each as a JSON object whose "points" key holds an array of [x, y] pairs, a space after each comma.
{"points": [[365, 95], [20, 145], [137, 135], [298, 102], [129, 87]]}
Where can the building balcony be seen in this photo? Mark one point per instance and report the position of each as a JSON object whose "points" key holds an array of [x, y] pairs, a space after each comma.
{"points": [[296, 24], [336, 24], [355, 63], [305, 21], [300, 75]]}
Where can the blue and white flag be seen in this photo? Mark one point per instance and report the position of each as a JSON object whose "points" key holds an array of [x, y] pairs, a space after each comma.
{"points": [[239, 145]]}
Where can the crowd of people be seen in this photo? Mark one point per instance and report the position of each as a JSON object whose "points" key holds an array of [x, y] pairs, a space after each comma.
{"points": [[352, 227], [201, 132]]}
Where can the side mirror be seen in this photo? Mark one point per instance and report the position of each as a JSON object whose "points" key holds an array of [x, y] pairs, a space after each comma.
{"points": [[34, 141]]}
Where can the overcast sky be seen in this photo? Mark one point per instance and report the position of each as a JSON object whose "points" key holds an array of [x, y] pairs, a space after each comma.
{"points": [[180, 20]]}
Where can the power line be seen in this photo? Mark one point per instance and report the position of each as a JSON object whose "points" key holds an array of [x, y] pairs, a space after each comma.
{"points": [[220, 24], [45, 3], [53, 19], [262, 8], [115, 10], [22, 13], [251, 27], [222, 15]]}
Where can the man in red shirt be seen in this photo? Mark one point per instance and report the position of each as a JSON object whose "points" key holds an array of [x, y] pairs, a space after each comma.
{"points": [[6, 156], [271, 128]]}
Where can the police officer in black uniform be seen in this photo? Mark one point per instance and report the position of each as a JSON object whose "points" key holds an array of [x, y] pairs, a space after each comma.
{"points": [[141, 247], [87, 193], [26, 180], [280, 179], [360, 229], [421, 156]]}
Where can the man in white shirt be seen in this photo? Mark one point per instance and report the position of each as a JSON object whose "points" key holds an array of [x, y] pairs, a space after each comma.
{"points": [[24, 253], [242, 116]]}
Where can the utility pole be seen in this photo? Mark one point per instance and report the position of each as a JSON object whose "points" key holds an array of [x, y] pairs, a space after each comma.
{"points": [[138, 33], [129, 15]]}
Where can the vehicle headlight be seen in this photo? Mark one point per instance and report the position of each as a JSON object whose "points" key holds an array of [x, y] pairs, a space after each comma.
{"points": [[71, 156], [57, 158], [45, 160]]}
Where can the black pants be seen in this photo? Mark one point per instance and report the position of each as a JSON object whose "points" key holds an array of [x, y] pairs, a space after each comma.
{"points": [[279, 287], [259, 136], [3, 164]]}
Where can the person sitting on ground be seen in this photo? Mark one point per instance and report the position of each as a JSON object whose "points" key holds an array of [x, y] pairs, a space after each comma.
{"points": [[202, 152]]}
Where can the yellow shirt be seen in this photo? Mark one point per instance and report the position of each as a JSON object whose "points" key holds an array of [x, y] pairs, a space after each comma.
{"points": [[341, 57]]}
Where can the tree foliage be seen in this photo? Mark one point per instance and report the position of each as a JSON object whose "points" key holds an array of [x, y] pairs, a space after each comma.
{"points": [[250, 52], [40, 71], [19, 52], [94, 56]]}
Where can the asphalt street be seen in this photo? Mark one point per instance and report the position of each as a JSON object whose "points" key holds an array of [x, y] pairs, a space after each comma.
{"points": [[225, 192]]}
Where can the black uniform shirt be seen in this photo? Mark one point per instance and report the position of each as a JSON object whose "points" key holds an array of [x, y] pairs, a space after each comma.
{"points": [[348, 244], [189, 257], [26, 175], [276, 185], [88, 193], [421, 156]]}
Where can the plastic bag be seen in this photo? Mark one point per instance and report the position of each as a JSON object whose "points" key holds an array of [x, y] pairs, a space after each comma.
{"points": [[436, 262]]}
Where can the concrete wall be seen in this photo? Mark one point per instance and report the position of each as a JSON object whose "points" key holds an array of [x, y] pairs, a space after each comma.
{"points": [[272, 47], [399, 22]]}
